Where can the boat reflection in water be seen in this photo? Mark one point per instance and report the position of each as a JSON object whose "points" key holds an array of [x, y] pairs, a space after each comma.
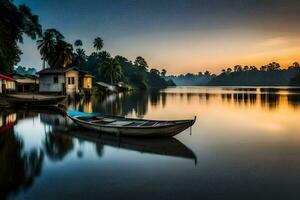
{"points": [[23, 157], [161, 146]]}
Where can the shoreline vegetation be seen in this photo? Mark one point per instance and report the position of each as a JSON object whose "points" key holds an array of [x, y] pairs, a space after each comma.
{"points": [[266, 75], [56, 52]]}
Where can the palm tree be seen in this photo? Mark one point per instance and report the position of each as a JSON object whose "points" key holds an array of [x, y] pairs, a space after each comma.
{"points": [[62, 56], [66, 51], [98, 43], [163, 72], [78, 43], [296, 64], [79, 57], [112, 70], [47, 45]]}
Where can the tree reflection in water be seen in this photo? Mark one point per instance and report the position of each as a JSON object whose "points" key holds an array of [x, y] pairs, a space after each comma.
{"points": [[126, 103], [18, 168], [137, 102], [57, 146]]}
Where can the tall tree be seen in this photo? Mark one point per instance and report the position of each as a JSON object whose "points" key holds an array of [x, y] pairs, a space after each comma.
{"points": [[54, 49], [163, 72], [79, 58], [78, 43], [14, 22], [46, 45], [112, 70], [296, 65], [62, 56], [98, 43], [141, 63]]}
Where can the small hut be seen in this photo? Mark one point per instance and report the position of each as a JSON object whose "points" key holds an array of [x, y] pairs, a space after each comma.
{"points": [[7, 84]]}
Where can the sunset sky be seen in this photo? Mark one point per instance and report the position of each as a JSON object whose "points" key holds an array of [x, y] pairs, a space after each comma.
{"points": [[178, 35]]}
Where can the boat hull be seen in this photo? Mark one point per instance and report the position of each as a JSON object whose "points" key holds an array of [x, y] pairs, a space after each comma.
{"points": [[159, 131], [33, 102]]}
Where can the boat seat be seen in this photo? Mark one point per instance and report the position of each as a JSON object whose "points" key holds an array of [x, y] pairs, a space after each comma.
{"points": [[108, 120], [135, 123], [120, 123], [96, 121], [87, 119], [148, 124]]}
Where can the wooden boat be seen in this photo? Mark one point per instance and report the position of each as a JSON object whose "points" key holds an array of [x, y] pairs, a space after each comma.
{"points": [[160, 146], [33, 100], [129, 126]]}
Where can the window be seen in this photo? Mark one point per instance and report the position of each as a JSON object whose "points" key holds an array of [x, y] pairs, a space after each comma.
{"points": [[71, 80], [55, 79]]}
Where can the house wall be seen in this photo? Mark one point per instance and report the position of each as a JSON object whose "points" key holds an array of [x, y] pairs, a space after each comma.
{"points": [[47, 84], [87, 82], [1, 86], [10, 85], [72, 88]]}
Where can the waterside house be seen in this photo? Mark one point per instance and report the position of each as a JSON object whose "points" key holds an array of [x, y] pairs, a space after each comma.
{"points": [[7, 84], [70, 81], [26, 83]]}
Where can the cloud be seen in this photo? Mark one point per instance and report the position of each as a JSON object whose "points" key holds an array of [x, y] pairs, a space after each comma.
{"points": [[274, 42]]}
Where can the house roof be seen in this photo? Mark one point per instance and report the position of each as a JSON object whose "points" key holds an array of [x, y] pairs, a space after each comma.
{"points": [[60, 70], [56, 70], [52, 71], [6, 77]]}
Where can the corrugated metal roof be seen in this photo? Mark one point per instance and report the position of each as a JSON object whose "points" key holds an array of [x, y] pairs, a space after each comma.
{"points": [[52, 71], [6, 77], [60, 70]]}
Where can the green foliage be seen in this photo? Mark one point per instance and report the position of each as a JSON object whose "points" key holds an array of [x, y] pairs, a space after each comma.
{"points": [[54, 49], [268, 75], [98, 43], [14, 22], [141, 63], [192, 79], [23, 71], [111, 70], [78, 43], [295, 81], [79, 58]]}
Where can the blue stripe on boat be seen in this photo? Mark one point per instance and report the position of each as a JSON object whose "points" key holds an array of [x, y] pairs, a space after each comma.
{"points": [[73, 113]]}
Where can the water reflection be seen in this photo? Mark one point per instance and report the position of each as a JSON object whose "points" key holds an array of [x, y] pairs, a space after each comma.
{"points": [[18, 168], [21, 163], [159, 146], [239, 130], [138, 103]]}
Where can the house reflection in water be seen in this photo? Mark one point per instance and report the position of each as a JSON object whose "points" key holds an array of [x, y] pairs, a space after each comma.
{"points": [[19, 167], [7, 121]]}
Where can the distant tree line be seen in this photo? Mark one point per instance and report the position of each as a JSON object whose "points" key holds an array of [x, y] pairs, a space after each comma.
{"points": [[192, 79], [25, 71], [267, 75]]}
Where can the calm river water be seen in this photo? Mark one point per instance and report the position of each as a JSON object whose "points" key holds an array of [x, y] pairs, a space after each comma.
{"points": [[244, 145]]}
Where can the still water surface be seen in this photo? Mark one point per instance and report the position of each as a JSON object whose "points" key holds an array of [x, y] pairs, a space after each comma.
{"points": [[245, 144]]}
